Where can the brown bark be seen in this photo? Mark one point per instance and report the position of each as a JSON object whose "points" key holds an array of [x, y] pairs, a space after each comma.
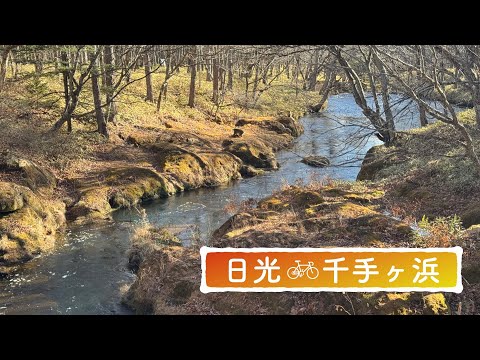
{"points": [[325, 90], [75, 87], [97, 101], [385, 97], [66, 85], [215, 80], [4, 55], [230, 74], [148, 78], [193, 75], [380, 125], [111, 104], [423, 115]]}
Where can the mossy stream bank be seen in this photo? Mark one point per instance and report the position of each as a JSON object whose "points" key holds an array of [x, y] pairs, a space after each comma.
{"points": [[33, 208]]}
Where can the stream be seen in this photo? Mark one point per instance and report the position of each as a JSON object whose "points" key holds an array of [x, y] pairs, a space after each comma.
{"points": [[86, 274]]}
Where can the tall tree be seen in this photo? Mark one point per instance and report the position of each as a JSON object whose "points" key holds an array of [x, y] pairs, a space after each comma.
{"points": [[385, 128], [66, 84], [148, 77], [215, 79], [193, 75], [76, 84], [97, 101], [4, 56], [109, 70]]}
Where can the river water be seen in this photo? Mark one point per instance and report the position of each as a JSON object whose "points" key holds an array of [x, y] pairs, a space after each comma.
{"points": [[86, 274]]}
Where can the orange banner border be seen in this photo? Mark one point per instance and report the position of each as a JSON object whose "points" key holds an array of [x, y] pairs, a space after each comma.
{"points": [[458, 288]]}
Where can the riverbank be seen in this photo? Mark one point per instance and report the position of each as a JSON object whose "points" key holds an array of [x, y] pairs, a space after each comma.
{"points": [[49, 179], [337, 214], [423, 181]]}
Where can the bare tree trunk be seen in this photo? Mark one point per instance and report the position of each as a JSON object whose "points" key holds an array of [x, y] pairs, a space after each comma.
{"points": [[215, 79], [111, 104], [255, 82], [97, 101], [230, 74], [423, 115], [66, 85], [38, 64], [67, 113], [208, 65], [382, 126], [148, 77], [193, 75], [385, 97], [325, 90], [4, 63], [75, 89], [312, 78], [14, 66]]}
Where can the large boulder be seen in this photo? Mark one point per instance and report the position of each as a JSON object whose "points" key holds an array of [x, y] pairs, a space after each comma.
{"points": [[248, 171], [290, 123], [194, 169], [279, 125], [316, 161], [34, 176], [11, 197], [101, 193], [374, 161], [254, 153], [30, 226]]}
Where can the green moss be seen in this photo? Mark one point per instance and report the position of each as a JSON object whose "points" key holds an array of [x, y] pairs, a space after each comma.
{"points": [[117, 188], [364, 197], [395, 303], [301, 198], [236, 232], [273, 203], [254, 153], [351, 210], [435, 304], [11, 197], [30, 230]]}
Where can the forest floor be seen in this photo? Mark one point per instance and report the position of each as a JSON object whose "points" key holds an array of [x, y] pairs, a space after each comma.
{"points": [[423, 181], [48, 178]]}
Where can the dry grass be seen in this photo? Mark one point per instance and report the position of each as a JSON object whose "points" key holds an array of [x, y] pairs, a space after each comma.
{"points": [[29, 107], [235, 205]]}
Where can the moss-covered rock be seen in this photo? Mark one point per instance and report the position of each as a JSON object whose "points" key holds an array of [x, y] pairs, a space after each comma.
{"points": [[374, 161], [117, 188], [11, 197], [316, 161], [290, 123], [33, 175], [279, 125], [248, 171], [435, 304], [473, 232], [147, 239], [394, 303], [29, 230], [292, 199], [194, 170], [254, 153], [234, 222]]}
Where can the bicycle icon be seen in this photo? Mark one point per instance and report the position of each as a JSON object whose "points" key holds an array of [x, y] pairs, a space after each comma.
{"points": [[301, 269]]}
